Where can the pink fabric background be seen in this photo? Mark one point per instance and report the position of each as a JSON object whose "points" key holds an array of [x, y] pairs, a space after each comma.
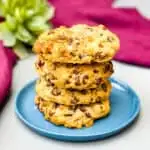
{"points": [[7, 60], [131, 27]]}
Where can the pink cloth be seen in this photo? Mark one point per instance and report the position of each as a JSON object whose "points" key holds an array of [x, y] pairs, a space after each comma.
{"points": [[7, 60], [131, 27]]}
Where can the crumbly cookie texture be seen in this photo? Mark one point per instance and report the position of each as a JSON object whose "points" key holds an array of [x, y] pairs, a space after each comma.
{"points": [[72, 97], [78, 44], [72, 116], [74, 76]]}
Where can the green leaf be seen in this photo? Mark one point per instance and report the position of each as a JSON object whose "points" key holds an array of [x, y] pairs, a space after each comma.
{"points": [[32, 40], [23, 34], [1, 13], [37, 24], [40, 6], [6, 36], [17, 15], [13, 4], [21, 50], [31, 3], [1, 7], [11, 22], [24, 20], [6, 4], [22, 13], [49, 13], [29, 13]]}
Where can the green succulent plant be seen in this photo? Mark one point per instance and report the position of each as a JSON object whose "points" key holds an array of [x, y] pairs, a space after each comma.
{"points": [[23, 21]]}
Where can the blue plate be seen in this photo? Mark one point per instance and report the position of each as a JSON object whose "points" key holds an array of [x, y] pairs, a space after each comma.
{"points": [[125, 106]]}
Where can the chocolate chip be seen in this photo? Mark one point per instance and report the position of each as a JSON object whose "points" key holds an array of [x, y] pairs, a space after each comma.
{"points": [[101, 34], [77, 43], [107, 68], [100, 45], [68, 65], [71, 65], [49, 51], [82, 109], [72, 54], [110, 39], [98, 81], [68, 115], [98, 99], [82, 56], [56, 91], [51, 113], [72, 90], [77, 80], [75, 71], [56, 105], [104, 87], [88, 114], [95, 71], [84, 91], [70, 76], [40, 99], [53, 77], [98, 55], [74, 107], [100, 102], [70, 41], [102, 107], [92, 99], [67, 82], [40, 63], [85, 78], [71, 108], [49, 83], [74, 100]]}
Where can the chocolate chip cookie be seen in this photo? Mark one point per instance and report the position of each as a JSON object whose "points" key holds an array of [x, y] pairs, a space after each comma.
{"points": [[72, 116], [73, 76], [79, 44], [49, 92]]}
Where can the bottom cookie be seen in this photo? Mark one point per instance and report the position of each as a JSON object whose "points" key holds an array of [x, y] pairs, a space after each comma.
{"points": [[72, 116]]}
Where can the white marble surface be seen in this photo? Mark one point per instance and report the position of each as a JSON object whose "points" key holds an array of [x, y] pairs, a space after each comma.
{"points": [[15, 136]]}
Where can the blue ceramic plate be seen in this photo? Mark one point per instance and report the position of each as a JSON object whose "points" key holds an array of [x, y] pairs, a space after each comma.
{"points": [[125, 106]]}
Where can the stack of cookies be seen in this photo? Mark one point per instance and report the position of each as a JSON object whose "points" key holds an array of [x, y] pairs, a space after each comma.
{"points": [[74, 65]]}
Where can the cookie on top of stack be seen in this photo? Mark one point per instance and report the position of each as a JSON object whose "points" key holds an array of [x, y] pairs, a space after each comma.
{"points": [[74, 65]]}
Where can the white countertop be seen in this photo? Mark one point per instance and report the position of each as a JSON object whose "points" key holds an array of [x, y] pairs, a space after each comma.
{"points": [[15, 136]]}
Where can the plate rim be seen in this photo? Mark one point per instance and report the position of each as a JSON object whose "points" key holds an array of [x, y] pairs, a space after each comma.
{"points": [[100, 135]]}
